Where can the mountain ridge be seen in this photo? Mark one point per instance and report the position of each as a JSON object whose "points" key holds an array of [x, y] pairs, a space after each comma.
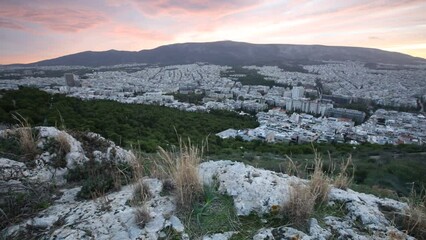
{"points": [[232, 53]]}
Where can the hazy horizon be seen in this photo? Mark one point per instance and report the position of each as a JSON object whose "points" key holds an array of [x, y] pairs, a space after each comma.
{"points": [[45, 29]]}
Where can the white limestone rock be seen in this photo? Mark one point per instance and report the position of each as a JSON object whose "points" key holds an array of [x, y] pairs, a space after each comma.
{"points": [[280, 233], [219, 236], [253, 190], [76, 154], [10, 169]]}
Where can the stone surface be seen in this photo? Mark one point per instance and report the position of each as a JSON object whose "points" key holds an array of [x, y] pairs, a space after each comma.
{"points": [[253, 190], [112, 216]]}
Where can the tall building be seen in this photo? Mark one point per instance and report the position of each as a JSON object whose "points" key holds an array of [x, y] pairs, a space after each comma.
{"points": [[297, 92], [70, 79]]}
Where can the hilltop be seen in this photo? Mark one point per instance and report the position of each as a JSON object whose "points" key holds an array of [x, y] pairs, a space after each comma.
{"points": [[75, 185], [233, 53]]}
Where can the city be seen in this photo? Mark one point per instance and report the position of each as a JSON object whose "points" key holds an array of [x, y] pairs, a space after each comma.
{"points": [[300, 110]]}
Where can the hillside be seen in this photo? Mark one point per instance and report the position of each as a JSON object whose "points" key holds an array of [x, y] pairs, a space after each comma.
{"points": [[77, 185], [234, 53]]}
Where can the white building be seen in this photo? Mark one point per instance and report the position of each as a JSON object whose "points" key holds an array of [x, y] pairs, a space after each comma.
{"points": [[297, 92]]}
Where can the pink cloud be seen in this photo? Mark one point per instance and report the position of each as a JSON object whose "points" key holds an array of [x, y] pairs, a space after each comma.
{"points": [[133, 32], [6, 23], [56, 19], [195, 7]]}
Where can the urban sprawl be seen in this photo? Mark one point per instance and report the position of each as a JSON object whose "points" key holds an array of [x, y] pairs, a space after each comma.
{"points": [[301, 107]]}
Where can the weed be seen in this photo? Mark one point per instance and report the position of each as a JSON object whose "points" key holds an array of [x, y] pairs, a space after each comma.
{"points": [[142, 216], [343, 180], [300, 205], [141, 194], [319, 181], [26, 138], [215, 213], [182, 167], [99, 176], [414, 218]]}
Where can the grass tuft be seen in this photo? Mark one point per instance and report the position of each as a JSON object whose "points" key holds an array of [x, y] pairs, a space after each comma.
{"points": [[142, 217], [26, 137], [300, 206], [141, 193], [303, 198], [414, 219], [182, 167], [343, 180], [64, 145]]}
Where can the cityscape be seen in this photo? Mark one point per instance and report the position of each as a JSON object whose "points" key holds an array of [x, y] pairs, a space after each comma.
{"points": [[212, 120], [300, 108]]}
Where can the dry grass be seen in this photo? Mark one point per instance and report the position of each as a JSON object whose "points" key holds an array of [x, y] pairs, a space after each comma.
{"points": [[26, 137], [414, 219], [64, 145], [141, 193], [343, 180], [303, 198], [181, 166], [142, 217], [319, 184], [300, 206]]}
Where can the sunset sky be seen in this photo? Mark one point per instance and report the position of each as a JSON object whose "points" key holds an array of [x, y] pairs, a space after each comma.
{"points": [[33, 30]]}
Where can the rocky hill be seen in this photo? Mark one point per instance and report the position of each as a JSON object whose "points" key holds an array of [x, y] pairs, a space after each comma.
{"points": [[234, 53], [83, 189]]}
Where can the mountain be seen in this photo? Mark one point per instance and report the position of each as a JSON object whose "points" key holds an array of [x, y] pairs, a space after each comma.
{"points": [[233, 53]]}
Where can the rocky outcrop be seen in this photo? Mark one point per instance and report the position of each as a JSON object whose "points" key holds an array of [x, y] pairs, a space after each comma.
{"points": [[51, 165], [112, 216]]}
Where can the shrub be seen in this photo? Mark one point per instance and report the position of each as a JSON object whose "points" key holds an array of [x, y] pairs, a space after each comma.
{"points": [[343, 180], [26, 138], [414, 219], [303, 198], [319, 181], [141, 193], [142, 217], [99, 176], [182, 167], [300, 205]]}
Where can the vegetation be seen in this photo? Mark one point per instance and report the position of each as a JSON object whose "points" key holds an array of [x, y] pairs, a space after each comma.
{"points": [[26, 137], [99, 178], [213, 213], [181, 165], [25, 203], [189, 98], [144, 126], [142, 216], [303, 198], [414, 219], [252, 77]]}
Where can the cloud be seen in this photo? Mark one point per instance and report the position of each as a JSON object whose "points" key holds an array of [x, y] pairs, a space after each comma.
{"points": [[134, 32], [56, 19], [195, 7], [6, 23]]}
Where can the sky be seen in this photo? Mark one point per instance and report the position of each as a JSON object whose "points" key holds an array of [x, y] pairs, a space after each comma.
{"points": [[34, 30]]}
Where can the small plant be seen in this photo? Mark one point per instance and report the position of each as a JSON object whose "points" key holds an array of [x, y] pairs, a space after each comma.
{"points": [[141, 194], [101, 198], [142, 216], [319, 181], [182, 167], [26, 137], [303, 198], [414, 218], [64, 145], [99, 176], [300, 206], [168, 186], [343, 180]]}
